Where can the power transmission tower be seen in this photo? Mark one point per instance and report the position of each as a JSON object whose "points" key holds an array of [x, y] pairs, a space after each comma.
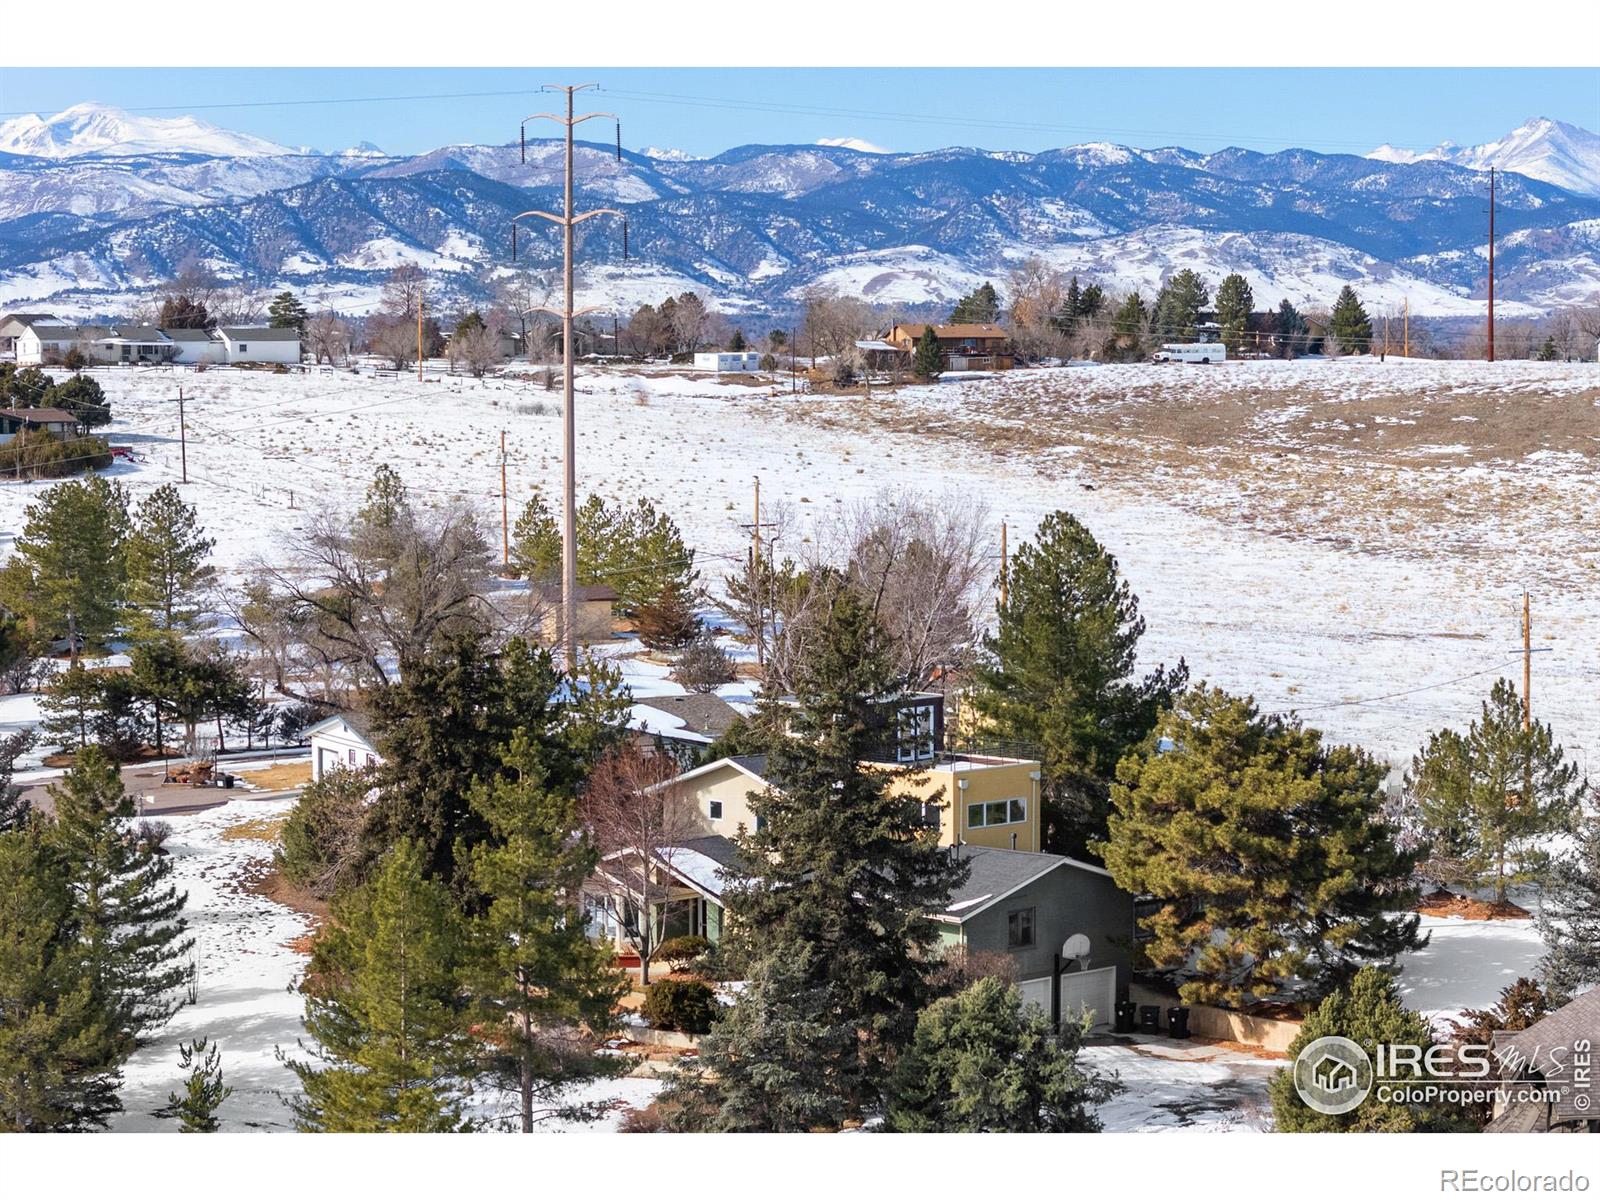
{"points": [[567, 220]]}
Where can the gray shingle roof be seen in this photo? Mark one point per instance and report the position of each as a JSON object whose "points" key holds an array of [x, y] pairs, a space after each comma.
{"points": [[262, 333], [995, 873], [717, 848], [190, 335], [708, 715], [1546, 1046]]}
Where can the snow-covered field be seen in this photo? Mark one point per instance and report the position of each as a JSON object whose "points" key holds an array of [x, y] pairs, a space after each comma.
{"points": [[1347, 538]]}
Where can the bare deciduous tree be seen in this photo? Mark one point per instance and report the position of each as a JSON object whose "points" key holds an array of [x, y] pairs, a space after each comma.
{"points": [[832, 323], [352, 601], [1038, 291], [690, 321], [328, 337], [639, 818]]}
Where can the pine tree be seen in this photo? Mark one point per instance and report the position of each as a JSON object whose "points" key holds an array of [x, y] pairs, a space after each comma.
{"points": [[393, 1049], [1234, 303], [541, 986], [59, 1058], [1128, 329], [1369, 1013], [667, 622], [1057, 673], [286, 312], [168, 562], [81, 396], [440, 732], [1292, 330], [1176, 315], [981, 306], [68, 574], [829, 910], [736, 342], [1490, 797], [927, 360], [203, 1091], [125, 925], [1071, 307], [71, 706], [1092, 301], [1268, 850], [1569, 916], [14, 806], [983, 1062], [536, 542], [1349, 325]]}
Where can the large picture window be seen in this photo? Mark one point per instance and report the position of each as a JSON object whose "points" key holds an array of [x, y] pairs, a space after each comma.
{"points": [[996, 812], [915, 733]]}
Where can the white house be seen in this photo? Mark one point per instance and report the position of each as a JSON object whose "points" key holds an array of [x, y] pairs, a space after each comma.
{"points": [[38, 343], [728, 360], [260, 345], [196, 346], [13, 325], [341, 742]]}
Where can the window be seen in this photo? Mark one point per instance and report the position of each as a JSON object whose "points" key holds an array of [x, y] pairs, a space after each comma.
{"points": [[997, 812], [1019, 928], [714, 809], [352, 753], [372, 760], [243, 347], [915, 741]]}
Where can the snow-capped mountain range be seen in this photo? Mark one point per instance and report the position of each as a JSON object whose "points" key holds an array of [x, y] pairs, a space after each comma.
{"points": [[1551, 151], [96, 205]]}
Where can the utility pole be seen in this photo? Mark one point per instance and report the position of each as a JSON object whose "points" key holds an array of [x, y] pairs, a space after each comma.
{"points": [[1004, 564], [1384, 357], [419, 334], [1406, 334], [505, 525], [1527, 663], [183, 437], [567, 220], [755, 530], [1491, 264]]}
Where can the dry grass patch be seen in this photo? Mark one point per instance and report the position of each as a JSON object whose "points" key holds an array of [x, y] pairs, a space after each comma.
{"points": [[279, 777], [261, 829]]}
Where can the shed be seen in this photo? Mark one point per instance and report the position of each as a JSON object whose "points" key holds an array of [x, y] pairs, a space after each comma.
{"points": [[260, 344], [593, 617], [722, 361], [342, 742]]}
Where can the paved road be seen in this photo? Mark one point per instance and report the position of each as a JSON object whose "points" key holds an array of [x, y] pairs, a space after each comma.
{"points": [[155, 798]]}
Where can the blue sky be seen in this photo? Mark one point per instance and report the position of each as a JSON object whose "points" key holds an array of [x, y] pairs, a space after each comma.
{"points": [[703, 110]]}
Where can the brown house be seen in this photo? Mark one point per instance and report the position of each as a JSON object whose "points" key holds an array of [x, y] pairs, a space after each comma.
{"points": [[970, 347], [50, 420]]}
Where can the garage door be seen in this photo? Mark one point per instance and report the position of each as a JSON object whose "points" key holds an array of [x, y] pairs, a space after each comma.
{"points": [[330, 762], [1095, 990]]}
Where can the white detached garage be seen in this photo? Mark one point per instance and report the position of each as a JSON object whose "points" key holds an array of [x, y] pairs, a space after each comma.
{"points": [[341, 742]]}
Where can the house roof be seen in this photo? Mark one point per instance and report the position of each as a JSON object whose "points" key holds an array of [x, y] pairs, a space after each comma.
{"points": [[360, 723], [134, 333], [40, 416], [27, 319], [753, 765], [709, 716], [60, 333], [259, 333], [970, 330], [704, 863], [585, 592], [190, 335], [997, 873], [1546, 1046]]}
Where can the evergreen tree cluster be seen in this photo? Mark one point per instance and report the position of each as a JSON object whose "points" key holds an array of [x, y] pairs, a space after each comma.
{"points": [[29, 387], [981, 306], [93, 952], [458, 959], [637, 551]]}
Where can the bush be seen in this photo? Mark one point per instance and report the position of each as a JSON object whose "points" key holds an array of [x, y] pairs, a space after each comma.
{"points": [[35, 454], [679, 952], [703, 666], [151, 836], [321, 843], [74, 359], [686, 1005], [769, 362]]}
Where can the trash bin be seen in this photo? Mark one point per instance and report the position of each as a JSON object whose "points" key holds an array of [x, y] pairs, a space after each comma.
{"points": [[1150, 1018], [1178, 1021], [227, 781], [1127, 1014]]}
